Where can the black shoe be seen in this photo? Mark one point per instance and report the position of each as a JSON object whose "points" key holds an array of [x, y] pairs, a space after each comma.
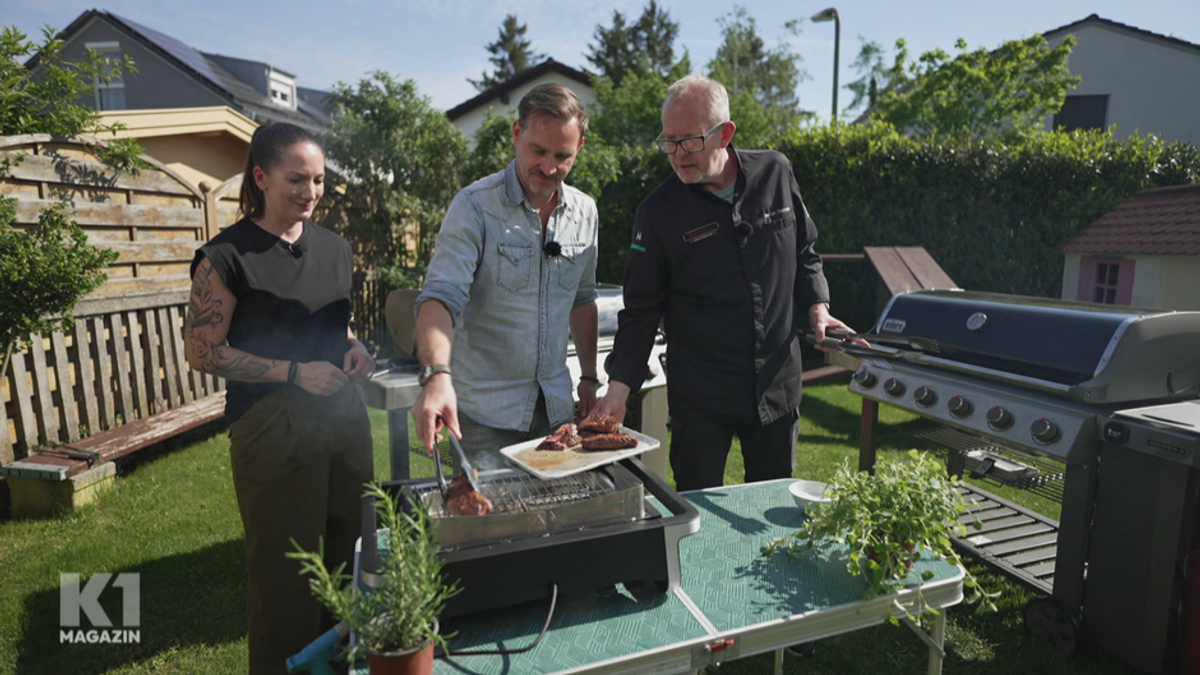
{"points": [[803, 649]]}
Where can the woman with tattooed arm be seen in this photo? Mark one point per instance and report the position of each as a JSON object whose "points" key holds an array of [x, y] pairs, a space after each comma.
{"points": [[270, 311]]}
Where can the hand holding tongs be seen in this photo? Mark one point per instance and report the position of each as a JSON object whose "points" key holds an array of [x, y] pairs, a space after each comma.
{"points": [[463, 462]]}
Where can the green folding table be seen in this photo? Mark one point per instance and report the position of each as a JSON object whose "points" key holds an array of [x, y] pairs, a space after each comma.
{"points": [[731, 603]]}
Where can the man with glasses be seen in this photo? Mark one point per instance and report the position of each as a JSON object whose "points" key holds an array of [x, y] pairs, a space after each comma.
{"points": [[722, 253]]}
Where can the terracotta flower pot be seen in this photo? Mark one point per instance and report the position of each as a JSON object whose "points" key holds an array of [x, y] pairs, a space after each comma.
{"points": [[416, 661]]}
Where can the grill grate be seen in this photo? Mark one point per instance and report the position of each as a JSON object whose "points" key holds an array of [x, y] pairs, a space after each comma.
{"points": [[522, 493], [1040, 475]]}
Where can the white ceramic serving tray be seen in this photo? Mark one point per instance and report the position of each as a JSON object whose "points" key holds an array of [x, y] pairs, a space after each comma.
{"points": [[546, 464]]}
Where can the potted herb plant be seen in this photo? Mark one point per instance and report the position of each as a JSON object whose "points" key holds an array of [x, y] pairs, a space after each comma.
{"points": [[396, 622], [906, 511]]}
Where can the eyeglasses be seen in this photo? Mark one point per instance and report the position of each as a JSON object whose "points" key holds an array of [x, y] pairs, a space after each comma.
{"points": [[689, 144]]}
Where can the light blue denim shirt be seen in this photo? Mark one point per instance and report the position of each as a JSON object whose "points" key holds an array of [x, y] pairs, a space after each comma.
{"points": [[511, 304]]}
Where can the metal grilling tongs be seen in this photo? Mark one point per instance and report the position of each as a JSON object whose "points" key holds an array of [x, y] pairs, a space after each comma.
{"points": [[463, 462]]}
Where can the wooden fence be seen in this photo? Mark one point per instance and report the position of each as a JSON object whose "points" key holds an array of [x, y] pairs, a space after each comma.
{"points": [[124, 358]]}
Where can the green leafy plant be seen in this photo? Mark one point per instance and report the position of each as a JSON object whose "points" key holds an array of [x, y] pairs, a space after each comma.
{"points": [[402, 612], [44, 97], [905, 512], [44, 269]]}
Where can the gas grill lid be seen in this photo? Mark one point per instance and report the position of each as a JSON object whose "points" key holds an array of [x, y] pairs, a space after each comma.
{"points": [[1093, 353]]}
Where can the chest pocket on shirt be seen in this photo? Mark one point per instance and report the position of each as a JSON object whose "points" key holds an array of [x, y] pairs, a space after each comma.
{"points": [[515, 266], [781, 219], [570, 264]]}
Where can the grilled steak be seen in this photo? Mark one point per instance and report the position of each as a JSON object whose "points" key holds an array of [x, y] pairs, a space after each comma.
{"points": [[463, 500], [566, 438], [605, 424], [609, 441]]}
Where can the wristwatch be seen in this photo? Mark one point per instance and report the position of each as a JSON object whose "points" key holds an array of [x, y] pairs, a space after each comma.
{"points": [[430, 370]]}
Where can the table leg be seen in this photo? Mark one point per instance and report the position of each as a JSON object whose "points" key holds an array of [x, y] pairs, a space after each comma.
{"points": [[779, 661], [939, 636], [398, 443]]}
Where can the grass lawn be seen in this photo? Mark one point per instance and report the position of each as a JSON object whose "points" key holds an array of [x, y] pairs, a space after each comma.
{"points": [[173, 519]]}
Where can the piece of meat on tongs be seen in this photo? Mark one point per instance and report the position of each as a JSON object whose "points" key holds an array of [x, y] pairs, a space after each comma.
{"points": [[566, 438], [463, 500]]}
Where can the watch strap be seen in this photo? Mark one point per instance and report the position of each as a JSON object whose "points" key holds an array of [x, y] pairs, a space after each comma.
{"points": [[430, 370]]}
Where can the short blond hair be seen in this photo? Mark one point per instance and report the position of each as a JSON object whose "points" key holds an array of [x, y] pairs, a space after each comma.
{"points": [[707, 89]]}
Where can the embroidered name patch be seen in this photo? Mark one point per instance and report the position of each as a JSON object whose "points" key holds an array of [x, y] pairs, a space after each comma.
{"points": [[702, 232]]}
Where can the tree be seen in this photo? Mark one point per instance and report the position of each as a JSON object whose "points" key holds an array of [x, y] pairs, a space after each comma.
{"points": [[1003, 94], [759, 80], [632, 114], [398, 163], [643, 47], [45, 268], [875, 78], [657, 34], [44, 98], [510, 54]]}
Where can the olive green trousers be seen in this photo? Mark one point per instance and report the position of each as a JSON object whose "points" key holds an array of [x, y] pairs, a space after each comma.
{"points": [[299, 464]]}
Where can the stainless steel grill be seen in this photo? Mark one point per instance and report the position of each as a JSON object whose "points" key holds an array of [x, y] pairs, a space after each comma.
{"points": [[1040, 394], [525, 507], [582, 532], [518, 492]]}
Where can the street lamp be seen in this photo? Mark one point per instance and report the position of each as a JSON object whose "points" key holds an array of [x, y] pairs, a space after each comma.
{"points": [[831, 14]]}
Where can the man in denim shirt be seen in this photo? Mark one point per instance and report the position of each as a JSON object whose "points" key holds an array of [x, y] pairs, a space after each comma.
{"points": [[514, 268]]}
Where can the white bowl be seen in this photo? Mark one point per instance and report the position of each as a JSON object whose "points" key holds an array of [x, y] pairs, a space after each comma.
{"points": [[808, 492]]}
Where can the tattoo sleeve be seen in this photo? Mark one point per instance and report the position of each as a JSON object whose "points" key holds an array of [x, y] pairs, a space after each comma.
{"points": [[204, 316]]}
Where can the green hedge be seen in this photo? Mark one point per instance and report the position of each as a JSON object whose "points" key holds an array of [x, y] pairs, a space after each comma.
{"points": [[990, 214]]}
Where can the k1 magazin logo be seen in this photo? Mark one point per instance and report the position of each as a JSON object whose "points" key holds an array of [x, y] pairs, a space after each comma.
{"points": [[74, 600]]}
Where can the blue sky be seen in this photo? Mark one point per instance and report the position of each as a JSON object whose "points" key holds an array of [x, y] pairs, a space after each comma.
{"points": [[440, 43]]}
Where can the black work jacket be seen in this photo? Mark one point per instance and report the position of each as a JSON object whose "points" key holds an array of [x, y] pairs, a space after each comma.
{"points": [[732, 284]]}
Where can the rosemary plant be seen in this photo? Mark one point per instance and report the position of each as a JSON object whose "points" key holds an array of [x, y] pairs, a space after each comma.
{"points": [[402, 612]]}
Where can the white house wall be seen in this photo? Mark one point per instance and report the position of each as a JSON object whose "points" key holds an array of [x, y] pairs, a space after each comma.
{"points": [[1151, 83], [470, 122], [1159, 281]]}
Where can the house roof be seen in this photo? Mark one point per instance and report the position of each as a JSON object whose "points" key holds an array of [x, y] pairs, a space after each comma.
{"points": [[1096, 19], [524, 77], [1157, 221], [205, 70]]}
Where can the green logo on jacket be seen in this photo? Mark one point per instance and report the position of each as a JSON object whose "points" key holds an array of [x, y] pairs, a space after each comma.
{"points": [[638, 247]]}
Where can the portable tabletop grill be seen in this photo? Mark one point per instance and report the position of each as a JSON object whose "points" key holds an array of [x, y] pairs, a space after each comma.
{"points": [[583, 532], [1106, 394]]}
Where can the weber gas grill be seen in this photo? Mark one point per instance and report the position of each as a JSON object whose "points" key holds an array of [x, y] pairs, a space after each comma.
{"points": [[1093, 404], [584, 532]]}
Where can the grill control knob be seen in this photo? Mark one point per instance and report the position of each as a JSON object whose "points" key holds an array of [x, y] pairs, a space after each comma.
{"points": [[959, 406], [893, 387], [865, 378], [924, 396], [1044, 431], [998, 418]]}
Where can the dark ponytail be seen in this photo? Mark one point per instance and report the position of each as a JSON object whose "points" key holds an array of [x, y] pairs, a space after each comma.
{"points": [[267, 147]]}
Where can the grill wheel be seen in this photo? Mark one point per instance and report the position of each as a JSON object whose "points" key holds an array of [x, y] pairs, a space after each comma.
{"points": [[1050, 618]]}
